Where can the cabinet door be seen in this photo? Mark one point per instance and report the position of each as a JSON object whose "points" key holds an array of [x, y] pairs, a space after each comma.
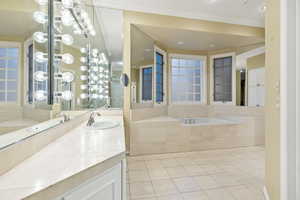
{"points": [[105, 187]]}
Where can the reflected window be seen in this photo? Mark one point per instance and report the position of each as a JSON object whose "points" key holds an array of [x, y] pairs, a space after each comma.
{"points": [[223, 79], [146, 87], [187, 80], [159, 78], [9, 69]]}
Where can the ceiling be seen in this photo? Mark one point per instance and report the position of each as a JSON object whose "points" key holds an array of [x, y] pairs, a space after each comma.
{"points": [[196, 41], [245, 12]]}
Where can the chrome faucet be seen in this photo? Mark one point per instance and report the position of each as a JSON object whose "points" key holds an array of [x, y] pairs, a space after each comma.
{"points": [[91, 120]]}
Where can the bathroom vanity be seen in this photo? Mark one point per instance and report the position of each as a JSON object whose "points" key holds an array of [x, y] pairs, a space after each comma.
{"points": [[85, 163]]}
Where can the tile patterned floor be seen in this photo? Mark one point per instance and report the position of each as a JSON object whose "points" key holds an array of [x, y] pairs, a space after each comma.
{"points": [[234, 174]]}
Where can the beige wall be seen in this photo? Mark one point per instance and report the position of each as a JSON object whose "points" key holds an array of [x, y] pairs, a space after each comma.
{"points": [[256, 61], [272, 96]]}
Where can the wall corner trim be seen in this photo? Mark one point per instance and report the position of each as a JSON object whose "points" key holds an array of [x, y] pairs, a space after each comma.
{"points": [[266, 194]]}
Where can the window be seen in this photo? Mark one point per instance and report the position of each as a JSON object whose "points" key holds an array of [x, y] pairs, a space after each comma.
{"points": [[146, 87], [9, 67], [222, 79], [188, 79], [159, 77]]}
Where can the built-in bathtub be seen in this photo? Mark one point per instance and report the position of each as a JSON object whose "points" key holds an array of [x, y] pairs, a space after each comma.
{"points": [[167, 134]]}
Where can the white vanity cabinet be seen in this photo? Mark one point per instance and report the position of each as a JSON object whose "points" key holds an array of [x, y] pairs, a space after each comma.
{"points": [[106, 186]]}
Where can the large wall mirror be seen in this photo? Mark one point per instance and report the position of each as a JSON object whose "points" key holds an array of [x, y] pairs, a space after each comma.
{"points": [[142, 61], [54, 61], [230, 74]]}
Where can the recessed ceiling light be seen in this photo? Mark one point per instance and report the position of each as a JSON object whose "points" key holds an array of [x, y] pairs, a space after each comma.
{"points": [[263, 8], [212, 45], [245, 2], [212, 1], [180, 43]]}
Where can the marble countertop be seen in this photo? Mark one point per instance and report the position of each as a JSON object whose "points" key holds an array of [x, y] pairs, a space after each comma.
{"points": [[71, 154]]}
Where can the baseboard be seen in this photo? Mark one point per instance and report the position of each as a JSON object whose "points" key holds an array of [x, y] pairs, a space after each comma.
{"points": [[266, 194]]}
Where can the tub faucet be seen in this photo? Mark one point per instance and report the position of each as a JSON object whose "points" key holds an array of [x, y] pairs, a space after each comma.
{"points": [[65, 117], [91, 120]]}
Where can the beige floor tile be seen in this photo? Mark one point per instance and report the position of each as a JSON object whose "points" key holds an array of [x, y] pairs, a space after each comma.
{"points": [[219, 194], [176, 172], [158, 174], [141, 190], [170, 197], [171, 162], [185, 161], [138, 175], [211, 169], [154, 164], [225, 179], [206, 182], [164, 187], [186, 184], [195, 196], [137, 165], [134, 158], [242, 192], [194, 170]]}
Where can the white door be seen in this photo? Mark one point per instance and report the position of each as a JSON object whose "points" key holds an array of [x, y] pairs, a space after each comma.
{"points": [[106, 187], [256, 87]]}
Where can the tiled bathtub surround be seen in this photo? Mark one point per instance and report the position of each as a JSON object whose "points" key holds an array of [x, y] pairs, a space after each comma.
{"points": [[168, 134], [235, 174]]}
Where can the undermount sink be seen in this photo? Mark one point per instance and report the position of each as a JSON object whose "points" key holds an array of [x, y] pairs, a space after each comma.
{"points": [[104, 124]]}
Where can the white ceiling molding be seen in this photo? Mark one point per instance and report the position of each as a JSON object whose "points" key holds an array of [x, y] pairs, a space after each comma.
{"points": [[229, 11]]}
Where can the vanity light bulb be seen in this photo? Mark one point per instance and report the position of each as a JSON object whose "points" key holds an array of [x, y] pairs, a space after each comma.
{"points": [[67, 95], [101, 69], [83, 59], [40, 57], [67, 3], [101, 96], [67, 58], [95, 69], [84, 87], [67, 18], [83, 77], [67, 39], [95, 96], [40, 17], [95, 52], [83, 50], [95, 78], [101, 75], [93, 33], [40, 37], [42, 2], [84, 96], [40, 76], [67, 77], [84, 16], [40, 95], [94, 87], [83, 68]]}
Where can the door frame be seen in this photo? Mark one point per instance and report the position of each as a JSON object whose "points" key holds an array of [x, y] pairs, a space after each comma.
{"points": [[289, 100]]}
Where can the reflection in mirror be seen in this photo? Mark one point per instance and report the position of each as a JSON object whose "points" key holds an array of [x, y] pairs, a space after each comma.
{"points": [[28, 104], [21, 38], [142, 60], [250, 78]]}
